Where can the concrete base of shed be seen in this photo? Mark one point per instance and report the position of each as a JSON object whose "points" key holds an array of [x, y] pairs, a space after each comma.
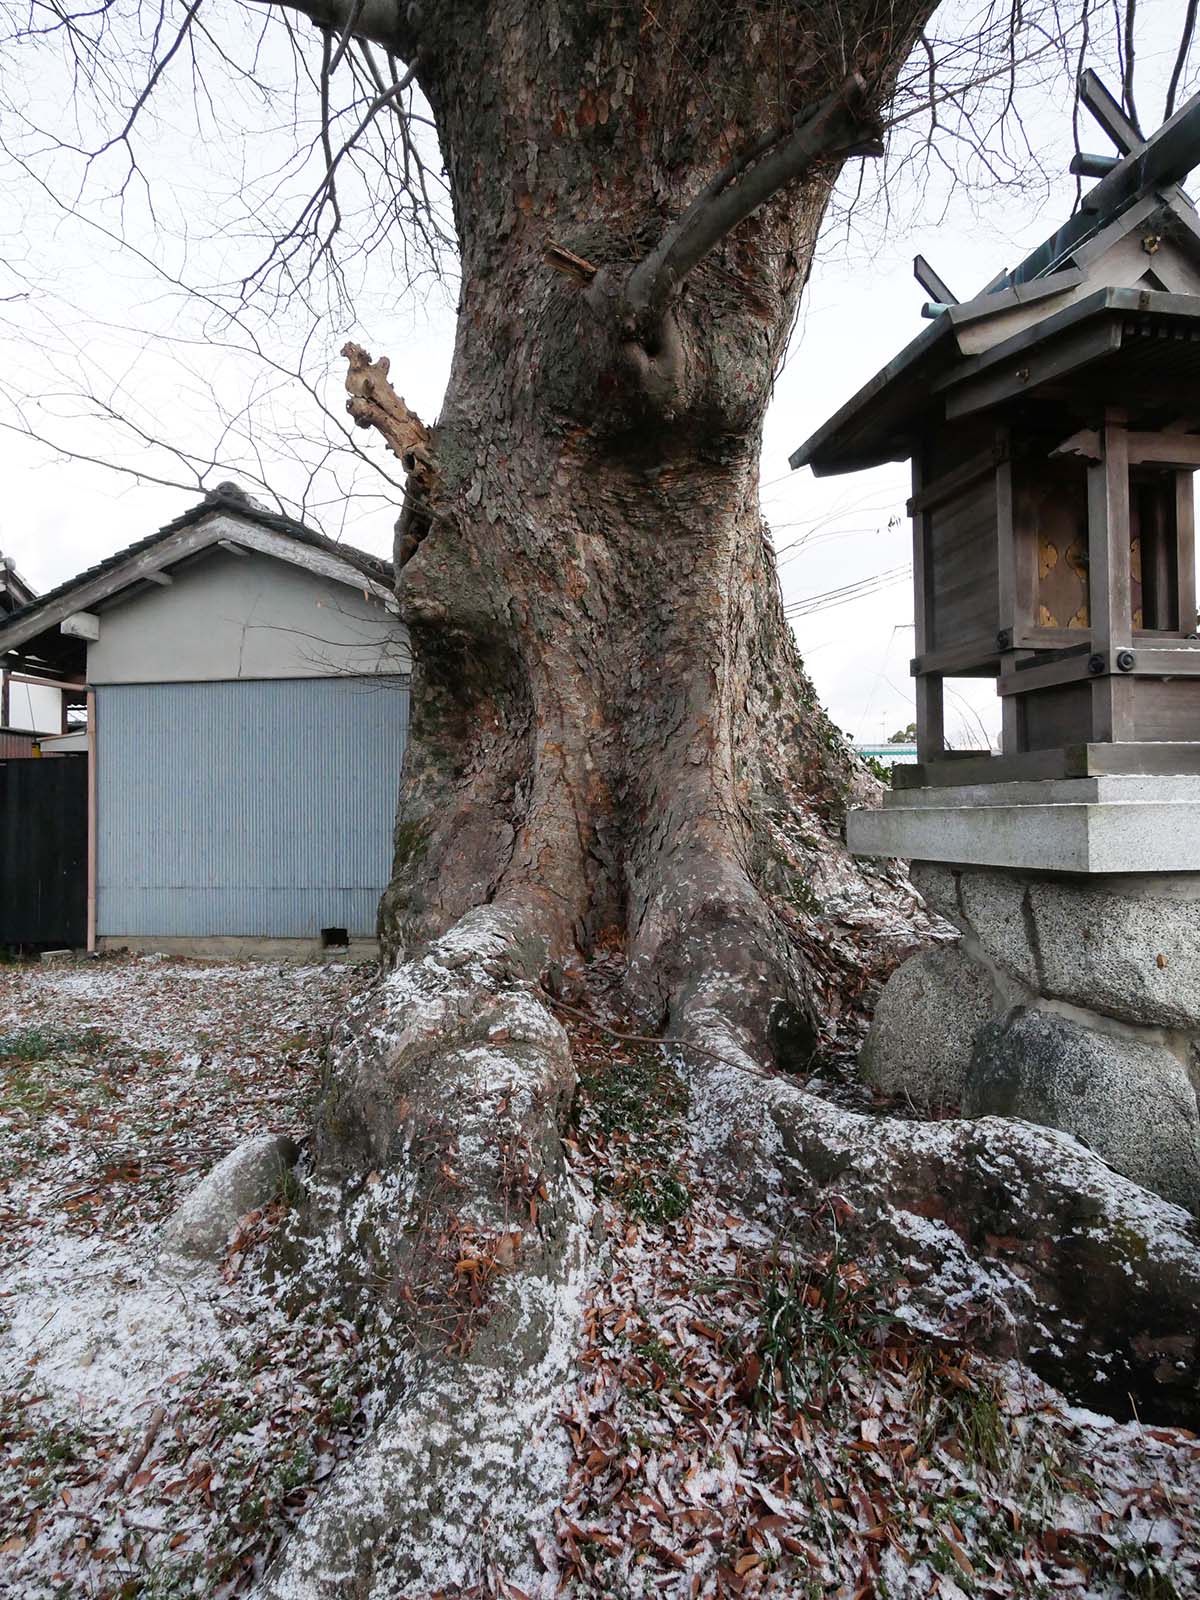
{"points": [[237, 948], [1070, 1001]]}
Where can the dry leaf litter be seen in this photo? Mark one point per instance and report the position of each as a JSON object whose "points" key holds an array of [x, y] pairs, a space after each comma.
{"points": [[123, 1081], [746, 1419]]}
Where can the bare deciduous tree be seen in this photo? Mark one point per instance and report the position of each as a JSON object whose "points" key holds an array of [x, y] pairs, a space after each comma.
{"points": [[614, 746]]}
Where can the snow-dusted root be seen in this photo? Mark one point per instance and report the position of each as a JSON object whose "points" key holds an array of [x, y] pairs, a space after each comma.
{"points": [[459, 1482], [441, 1210], [1015, 1235]]}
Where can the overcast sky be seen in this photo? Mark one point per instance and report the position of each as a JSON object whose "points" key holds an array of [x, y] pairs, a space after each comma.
{"points": [[79, 314]]}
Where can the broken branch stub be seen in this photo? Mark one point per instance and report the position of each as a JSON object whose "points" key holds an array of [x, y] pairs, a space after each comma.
{"points": [[374, 403], [568, 263]]}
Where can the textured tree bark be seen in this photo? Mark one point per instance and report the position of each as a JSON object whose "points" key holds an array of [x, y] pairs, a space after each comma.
{"points": [[615, 749], [612, 735]]}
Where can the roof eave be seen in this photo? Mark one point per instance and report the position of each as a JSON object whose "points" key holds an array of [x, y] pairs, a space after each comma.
{"points": [[828, 459], [1107, 301], [197, 531], [900, 366]]}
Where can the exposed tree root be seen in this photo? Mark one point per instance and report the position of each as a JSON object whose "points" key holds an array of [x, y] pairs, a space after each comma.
{"points": [[442, 1203], [1041, 1251], [441, 1208], [467, 1463]]}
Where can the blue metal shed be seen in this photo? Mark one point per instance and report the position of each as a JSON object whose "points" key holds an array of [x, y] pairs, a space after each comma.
{"points": [[247, 683], [252, 810]]}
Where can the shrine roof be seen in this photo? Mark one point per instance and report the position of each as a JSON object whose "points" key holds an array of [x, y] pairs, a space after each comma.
{"points": [[1124, 269]]}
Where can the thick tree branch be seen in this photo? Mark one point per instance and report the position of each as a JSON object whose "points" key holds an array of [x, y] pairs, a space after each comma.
{"points": [[841, 125], [374, 403], [1185, 45], [387, 22]]}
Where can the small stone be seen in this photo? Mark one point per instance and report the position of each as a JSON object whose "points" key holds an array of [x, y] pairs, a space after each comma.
{"points": [[1130, 1100], [247, 1178], [54, 958]]}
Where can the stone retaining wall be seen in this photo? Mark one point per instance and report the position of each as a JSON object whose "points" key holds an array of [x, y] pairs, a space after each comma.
{"points": [[1070, 1002]]}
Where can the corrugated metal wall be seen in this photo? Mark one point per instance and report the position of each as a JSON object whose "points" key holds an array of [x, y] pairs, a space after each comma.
{"points": [[15, 746], [259, 809]]}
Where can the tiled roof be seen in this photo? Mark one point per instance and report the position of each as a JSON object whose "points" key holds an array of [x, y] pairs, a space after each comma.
{"points": [[227, 497], [15, 593]]}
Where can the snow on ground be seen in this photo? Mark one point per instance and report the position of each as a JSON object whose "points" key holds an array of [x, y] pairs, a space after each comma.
{"points": [[753, 1420], [122, 1081], [743, 1418]]}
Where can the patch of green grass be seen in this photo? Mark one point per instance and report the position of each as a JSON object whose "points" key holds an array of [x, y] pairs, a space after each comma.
{"points": [[965, 1410], [656, 1196], [983, 1429], [39, 1044], [49, 1452], [23, 1090], [252, 1513], [1140, 1574], [168, 1578], [810, 1329], [291, 1188], [659, 1354], [294, 1472], [44, 1068], [632, 1102], [233, 1419], [634, 1093], [35, 1064]]}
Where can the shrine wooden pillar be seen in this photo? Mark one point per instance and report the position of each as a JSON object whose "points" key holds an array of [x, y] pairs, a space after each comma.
{"points": [[1110, 591]]}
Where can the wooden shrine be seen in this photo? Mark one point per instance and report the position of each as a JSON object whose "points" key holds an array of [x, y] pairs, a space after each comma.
{"points": [[1053, 424]]}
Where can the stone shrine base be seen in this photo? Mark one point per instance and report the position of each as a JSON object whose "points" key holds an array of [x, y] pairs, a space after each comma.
{"points": [[1070, 1001]]}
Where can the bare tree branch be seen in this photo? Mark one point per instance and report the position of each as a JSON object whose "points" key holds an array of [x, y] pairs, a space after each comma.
{"points": [[1185, 44], [841, 125], [348, 33], [1127, 83], [385, 22], [160, 66]]}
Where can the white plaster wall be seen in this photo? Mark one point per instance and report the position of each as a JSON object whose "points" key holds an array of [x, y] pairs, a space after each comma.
{"points": [[228, 617], [34, 707]]}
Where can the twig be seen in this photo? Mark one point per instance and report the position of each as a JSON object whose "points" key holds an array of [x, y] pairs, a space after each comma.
{"points": [[568, 263], [657, 1038], [157, 1417]]}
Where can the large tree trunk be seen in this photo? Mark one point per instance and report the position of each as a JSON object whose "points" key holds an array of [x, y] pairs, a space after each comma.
{"points": [[614, 750], [614, 746], [612, 734]]}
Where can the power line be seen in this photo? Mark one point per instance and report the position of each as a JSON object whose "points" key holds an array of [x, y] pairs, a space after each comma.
{"points": [[827, 599]]}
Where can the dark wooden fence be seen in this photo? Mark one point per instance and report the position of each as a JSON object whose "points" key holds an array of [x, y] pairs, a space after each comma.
{"points": [[43, 851]]}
